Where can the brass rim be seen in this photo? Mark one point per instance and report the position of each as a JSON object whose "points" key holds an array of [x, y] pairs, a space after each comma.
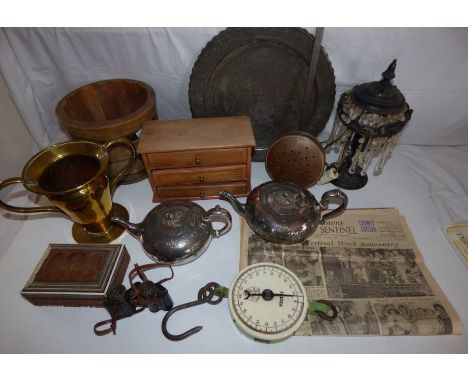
{"points": [[101, 154]]}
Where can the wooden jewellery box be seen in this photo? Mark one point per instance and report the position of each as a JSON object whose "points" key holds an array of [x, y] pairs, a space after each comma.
{"points": [[76, 274], [197, 158]]}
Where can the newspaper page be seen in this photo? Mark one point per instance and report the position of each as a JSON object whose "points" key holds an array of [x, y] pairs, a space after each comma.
{"points": [[366, 262]]}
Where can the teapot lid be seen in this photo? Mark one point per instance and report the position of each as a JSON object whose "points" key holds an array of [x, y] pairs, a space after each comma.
{"points": [[175, 230], [282, 212], [284, 201]]}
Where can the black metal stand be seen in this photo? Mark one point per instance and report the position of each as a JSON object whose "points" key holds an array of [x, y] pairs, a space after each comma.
{"points": [[350, 181]]}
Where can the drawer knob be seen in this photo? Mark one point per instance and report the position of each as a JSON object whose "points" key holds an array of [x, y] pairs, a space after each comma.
{"points": [[201, 178], [197, 159], [202, 194]]}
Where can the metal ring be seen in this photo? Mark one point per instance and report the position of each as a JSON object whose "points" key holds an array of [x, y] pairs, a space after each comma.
{"points": [[209, 291]]}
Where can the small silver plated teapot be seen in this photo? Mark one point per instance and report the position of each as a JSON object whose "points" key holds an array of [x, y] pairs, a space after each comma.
{"points": [[177, 232], [285, 213]]}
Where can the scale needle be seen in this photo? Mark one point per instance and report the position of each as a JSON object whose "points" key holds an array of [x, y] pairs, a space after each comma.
{"points": [[267, 294]]}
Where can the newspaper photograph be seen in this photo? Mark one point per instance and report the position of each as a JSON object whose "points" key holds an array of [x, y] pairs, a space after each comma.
{"points": [[367, 264]]}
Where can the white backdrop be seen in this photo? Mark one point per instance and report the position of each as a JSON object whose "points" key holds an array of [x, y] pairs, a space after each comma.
{"points": [[427, 184], [41, 65]]}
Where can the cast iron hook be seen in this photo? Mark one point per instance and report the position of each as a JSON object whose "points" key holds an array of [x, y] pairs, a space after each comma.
{"points": [[205, 295]]}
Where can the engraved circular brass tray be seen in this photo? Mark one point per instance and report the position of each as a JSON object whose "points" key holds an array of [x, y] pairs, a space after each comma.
{"points": [[262, 73]]}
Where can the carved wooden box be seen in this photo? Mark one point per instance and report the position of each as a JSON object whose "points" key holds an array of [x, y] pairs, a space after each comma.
{"points": [[197, 158], [76, 274]]}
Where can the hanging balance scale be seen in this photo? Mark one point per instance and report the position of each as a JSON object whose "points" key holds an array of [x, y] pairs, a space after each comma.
{"points": [[267, 302]]}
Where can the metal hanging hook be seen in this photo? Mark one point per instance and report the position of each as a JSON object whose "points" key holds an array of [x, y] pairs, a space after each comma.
{"points": [[205, 295]]}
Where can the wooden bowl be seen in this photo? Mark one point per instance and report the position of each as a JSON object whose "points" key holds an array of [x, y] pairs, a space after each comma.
{"points": [[106, 109]]}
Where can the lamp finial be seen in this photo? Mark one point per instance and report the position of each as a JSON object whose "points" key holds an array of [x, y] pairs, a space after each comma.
{"points": [[389, 74]]}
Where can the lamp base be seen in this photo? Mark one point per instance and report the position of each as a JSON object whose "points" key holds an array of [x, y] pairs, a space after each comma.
{"points": [[350, 181]]}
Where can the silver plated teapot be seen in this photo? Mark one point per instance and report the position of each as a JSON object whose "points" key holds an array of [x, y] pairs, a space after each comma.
{"points": [[285, 213], [177, 232]]}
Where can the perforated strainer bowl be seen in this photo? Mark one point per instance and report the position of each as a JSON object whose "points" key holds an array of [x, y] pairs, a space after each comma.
{"points": [[296, 157]]}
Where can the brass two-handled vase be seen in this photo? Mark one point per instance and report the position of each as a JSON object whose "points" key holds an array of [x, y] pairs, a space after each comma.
{"points": [[73, 176]]}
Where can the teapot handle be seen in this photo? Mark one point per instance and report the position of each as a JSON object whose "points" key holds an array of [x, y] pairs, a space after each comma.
{"points": [[219, 214], [333, 197]]}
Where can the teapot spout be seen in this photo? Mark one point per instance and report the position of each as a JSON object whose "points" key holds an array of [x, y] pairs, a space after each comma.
{"points": [[238, 207], [133, 229]]}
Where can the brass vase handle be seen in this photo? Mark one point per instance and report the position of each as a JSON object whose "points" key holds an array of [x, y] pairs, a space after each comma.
{"points": [[123, 142], [8, 182]]}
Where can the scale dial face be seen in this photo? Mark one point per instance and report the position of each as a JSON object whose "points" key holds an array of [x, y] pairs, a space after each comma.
{"points": [[267, 302]]}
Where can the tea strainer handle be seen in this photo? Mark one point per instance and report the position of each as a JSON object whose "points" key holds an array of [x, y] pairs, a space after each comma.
{"points": [[333, 197], [219, 214]]}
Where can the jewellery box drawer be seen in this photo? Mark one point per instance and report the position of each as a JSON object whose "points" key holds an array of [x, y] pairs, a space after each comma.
{"points": [[200, 192], [214, 157], [200, 175]]}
